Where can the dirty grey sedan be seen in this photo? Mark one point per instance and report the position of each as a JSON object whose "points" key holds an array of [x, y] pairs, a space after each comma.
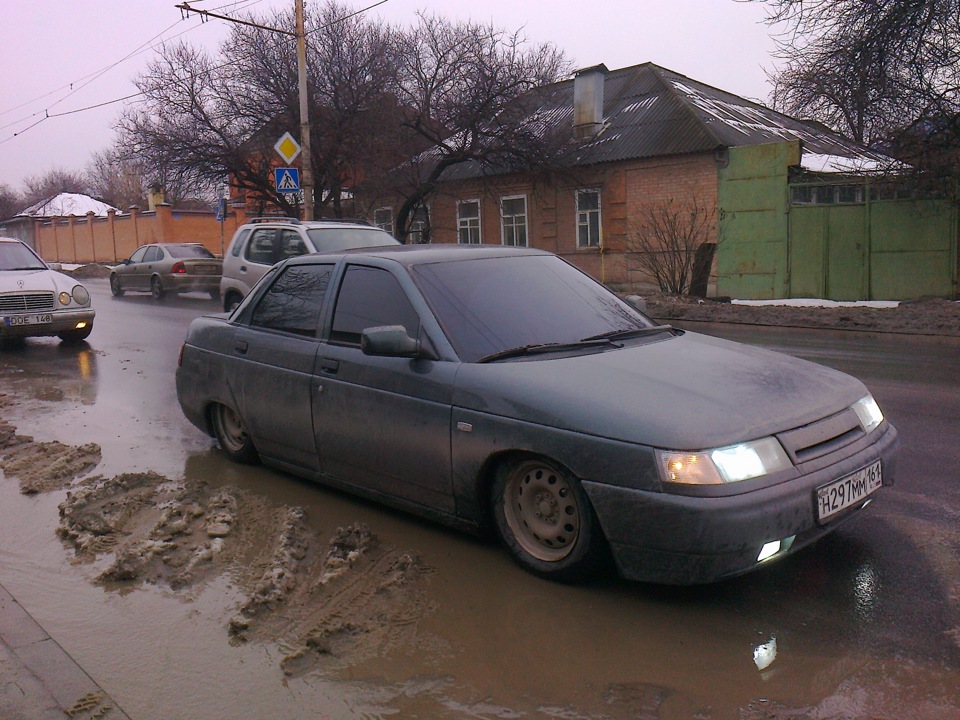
{"points": [[501, 387], [161, 268]]}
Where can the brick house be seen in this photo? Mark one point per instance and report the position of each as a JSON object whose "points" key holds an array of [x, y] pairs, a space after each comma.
{"points": [[642, 136]]}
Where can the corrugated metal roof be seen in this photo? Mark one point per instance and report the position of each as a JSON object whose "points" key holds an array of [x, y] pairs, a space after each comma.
{"points": [[650, 111]]}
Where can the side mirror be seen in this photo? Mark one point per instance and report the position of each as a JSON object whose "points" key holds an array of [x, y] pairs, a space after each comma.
{"points": [[637, 302], [390, 341]]}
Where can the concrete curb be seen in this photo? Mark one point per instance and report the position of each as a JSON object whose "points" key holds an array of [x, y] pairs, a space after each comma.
{"points": [[38, 679]]}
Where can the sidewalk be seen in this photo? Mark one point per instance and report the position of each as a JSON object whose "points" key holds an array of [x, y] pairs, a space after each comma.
{"points": [[38, 679]]}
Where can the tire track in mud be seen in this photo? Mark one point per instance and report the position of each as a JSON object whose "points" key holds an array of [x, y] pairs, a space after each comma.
{"points": [[327, 604]]}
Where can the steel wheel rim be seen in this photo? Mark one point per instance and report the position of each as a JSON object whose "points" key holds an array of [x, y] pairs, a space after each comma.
{"points": [[232, 432], [541, 510]]}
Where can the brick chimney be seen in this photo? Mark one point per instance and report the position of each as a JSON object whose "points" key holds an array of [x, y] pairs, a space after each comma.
{"points": [[588, 101]]}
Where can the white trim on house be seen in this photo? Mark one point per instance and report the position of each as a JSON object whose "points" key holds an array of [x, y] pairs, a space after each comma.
{"points": [[471, 224], [513, 226], [582, 220]]}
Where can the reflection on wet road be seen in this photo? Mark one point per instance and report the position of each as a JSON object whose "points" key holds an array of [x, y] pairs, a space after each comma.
{"points": [[864, 624]]}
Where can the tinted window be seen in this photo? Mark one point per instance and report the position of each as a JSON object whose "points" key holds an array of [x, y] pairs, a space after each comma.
{"points": [[345, 238], [291, 244], [263, 246], [492, 304], [153, 254], [238, 245], [189, 251], [293, 302], [371, 297]]}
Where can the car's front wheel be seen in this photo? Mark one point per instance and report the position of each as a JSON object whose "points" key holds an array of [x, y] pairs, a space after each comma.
{"points": [[232, 434], [115, 287], [75, 336], [156, 288], [545, 519]]}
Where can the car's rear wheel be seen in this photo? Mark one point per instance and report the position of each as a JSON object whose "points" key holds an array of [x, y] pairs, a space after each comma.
{"points": [[115, 287], [231, 300], [544, 518], [232, 434], [156, 288]]}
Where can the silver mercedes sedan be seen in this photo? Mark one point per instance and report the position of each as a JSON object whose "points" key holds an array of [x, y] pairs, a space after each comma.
{"points": [[497, 387]]}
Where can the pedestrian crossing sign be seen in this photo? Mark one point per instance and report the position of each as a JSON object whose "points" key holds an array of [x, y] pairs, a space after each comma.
{"points": [[287, 180]]}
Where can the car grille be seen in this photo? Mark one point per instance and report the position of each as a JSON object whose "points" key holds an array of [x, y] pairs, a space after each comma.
{"points": [[27, 302], [822, 437]]}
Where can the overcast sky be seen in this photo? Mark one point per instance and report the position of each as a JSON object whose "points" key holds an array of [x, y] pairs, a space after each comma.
{"points": [[59, 56]]}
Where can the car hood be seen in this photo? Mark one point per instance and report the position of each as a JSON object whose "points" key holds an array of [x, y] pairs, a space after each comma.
{"points": [[35, 281], [688, 392]]}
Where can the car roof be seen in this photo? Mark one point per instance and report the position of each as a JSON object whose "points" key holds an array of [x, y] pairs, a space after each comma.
{"points": [[310, 224], [419, 254]]}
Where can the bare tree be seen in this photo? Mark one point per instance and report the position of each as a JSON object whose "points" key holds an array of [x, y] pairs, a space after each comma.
{"points": [[116, 178], [11, 202], [470, 93], [53, 182], [885, 73], [205, 119], [667, 239]]}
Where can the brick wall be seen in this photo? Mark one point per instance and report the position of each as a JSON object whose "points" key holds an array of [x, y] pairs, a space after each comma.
{"points": [[551, 208], [115, 237]]}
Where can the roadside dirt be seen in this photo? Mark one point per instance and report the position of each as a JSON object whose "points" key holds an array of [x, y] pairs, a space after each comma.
{"points": [[927, 316], [328, 600]]}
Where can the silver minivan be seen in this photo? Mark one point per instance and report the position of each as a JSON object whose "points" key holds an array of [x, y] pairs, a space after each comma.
{"points": [[263, 242]]}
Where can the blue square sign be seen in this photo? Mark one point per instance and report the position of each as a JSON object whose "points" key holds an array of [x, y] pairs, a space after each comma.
{"points": [[287, 180]]}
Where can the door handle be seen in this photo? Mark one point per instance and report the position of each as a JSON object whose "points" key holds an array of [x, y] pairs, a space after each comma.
{"points": [[329, 366], [241, 346]]}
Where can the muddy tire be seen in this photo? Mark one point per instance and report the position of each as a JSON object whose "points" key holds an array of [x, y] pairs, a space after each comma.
{"points": [[545, 519], [232, 435], [115, 287], [156, 288]]}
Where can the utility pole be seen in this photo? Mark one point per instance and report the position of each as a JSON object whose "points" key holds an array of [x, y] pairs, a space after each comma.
{"points": [[301, 36], [307, 161]]}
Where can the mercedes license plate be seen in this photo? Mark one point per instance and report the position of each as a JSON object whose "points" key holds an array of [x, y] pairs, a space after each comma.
{"points": [[841, 494], [17, 320]]}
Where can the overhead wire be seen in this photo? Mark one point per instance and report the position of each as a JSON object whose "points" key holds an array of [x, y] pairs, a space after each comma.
{"points": [[235, 6]]}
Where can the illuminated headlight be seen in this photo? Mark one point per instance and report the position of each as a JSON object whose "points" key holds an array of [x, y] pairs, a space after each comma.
{"points": [[869, 412], [724, 465], [64, 298]]}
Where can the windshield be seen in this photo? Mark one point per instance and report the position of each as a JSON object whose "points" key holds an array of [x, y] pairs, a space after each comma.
{"points": [[17, 256], [490, 305], [346, 238]]}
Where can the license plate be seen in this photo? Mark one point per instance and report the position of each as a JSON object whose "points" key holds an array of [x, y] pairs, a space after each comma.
{"points": [[17, 320], [847, 491]]}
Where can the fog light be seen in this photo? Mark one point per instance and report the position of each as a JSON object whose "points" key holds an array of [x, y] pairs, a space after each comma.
{"points": [[768, 551]]}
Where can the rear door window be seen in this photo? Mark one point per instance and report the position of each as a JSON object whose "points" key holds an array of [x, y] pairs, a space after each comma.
{"points": [[263, 246]]}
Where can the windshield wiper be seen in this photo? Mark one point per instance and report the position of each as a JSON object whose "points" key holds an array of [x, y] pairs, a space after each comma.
{"points": [[629, 333], [539, 348]]}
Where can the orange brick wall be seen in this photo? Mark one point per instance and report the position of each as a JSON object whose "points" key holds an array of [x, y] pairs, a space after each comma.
{"points": [[116, 237], [551, 209]]}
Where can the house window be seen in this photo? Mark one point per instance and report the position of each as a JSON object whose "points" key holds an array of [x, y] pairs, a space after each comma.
{"points": [[383, 219], [419, 233], [588, 218], [513, 220], [468, 222]]}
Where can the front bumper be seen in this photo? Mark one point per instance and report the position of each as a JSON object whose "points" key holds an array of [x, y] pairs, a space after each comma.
{"points": [[688, 540], [61, 321]]}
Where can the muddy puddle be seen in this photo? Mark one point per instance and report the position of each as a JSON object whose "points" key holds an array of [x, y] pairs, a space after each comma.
{"points": [[191, 587]]}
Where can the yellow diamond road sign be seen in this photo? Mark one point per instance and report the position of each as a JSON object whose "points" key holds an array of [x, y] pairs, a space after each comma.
{"points": [[287, 147]]}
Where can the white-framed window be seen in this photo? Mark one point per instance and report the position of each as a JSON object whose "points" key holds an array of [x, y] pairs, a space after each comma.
{"points": [[513, 220], [468, 222], [588, 219], [419, 226], [383, 219]]}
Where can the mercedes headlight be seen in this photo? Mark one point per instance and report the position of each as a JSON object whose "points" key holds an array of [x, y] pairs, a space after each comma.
{"points": [[732, 463], [80, 295]]}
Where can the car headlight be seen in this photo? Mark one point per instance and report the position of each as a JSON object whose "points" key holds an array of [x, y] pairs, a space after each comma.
{"points": [[724, 465], [80, 295], [869, 412]]}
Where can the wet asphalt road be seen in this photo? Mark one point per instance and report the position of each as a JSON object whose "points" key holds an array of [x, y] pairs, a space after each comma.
{"points": [[864, 624]]}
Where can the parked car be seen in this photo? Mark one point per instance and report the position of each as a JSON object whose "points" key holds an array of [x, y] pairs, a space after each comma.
{"points": [[36, 300], [483, 385], [160, 268], [263, 242]]}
